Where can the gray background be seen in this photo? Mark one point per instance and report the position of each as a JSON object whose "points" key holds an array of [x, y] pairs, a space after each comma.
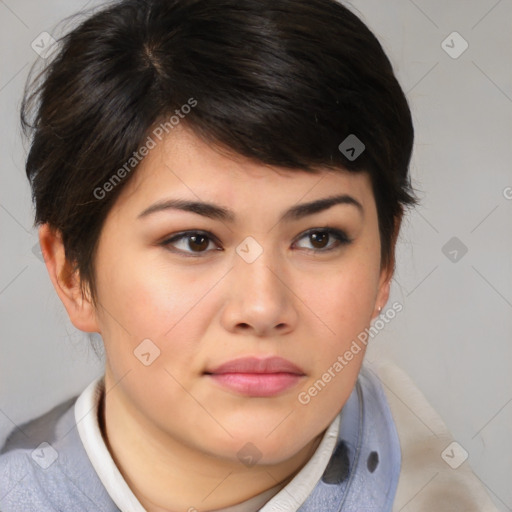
{"points": [[454, 334]]}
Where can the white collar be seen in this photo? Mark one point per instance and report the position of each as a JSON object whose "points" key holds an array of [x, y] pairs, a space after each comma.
{"points": [[288, 498]]}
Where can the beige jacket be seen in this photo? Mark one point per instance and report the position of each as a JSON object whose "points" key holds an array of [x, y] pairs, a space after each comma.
{"points": [[435, 475]]}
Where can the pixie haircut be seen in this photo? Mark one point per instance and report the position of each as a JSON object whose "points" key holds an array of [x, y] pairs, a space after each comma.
{"points": [[281, 82]]}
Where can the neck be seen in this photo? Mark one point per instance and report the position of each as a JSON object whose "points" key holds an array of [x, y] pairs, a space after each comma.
{"points": [[167, 475]]}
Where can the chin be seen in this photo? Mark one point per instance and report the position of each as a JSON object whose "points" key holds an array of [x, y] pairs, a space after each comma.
{"points": [[264, 449]]}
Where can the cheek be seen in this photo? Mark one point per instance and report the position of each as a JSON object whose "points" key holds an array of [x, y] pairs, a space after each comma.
{"points": [[343, 299], [343, 302], [143, 299], [139, 297], [150, 332]]}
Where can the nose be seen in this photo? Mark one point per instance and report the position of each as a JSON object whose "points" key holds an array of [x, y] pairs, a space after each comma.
{"points": [[261, 300]]}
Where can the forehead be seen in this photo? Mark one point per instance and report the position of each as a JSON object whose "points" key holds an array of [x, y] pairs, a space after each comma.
{"points": [[184, 166]]}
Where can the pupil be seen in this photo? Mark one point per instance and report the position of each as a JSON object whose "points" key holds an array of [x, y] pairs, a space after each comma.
{"points": [[319, 237]]}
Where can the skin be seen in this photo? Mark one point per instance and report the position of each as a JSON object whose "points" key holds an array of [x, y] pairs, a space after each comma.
{"points": [[173, 433]]}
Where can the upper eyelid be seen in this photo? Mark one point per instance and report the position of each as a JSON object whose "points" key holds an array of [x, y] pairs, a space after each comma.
{"points": [[213, 237]]}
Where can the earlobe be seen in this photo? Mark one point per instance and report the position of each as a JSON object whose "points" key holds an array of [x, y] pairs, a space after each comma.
{"points": [[383, 292], [66, 281]]}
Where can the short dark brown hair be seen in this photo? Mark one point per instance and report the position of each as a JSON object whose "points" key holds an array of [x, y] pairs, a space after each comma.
{"points": [[280, 82]]}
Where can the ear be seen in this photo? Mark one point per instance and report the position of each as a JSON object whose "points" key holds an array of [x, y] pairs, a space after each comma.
{"points": [[386, 273], [66, 281]]}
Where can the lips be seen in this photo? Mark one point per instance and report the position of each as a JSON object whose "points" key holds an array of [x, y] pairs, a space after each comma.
{"points": [[255, 377], [255, 365]]}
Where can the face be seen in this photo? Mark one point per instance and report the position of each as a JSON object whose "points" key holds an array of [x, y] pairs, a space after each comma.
{"points": [[181, 293]]}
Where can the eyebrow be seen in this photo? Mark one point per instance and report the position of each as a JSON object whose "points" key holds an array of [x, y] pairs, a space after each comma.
{"points": [[217, 212]]}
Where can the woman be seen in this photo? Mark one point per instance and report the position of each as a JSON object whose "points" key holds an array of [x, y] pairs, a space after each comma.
{"points": [[219, 187]]}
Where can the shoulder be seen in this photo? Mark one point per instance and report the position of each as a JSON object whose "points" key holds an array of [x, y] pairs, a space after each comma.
{"points": [[44, 467], [39, 429], [435, 472], [26, 460]]}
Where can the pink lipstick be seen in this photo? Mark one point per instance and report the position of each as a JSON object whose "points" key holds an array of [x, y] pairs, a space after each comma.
{"points": [[256, 377]]}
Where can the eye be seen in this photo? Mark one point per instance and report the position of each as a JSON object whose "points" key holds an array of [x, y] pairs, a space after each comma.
{"points": [[320, 238], [191, 242], [199, 243]]}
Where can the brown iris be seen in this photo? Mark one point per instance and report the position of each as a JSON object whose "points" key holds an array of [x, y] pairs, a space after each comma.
{"points": [[320, 238], [198, 241]]}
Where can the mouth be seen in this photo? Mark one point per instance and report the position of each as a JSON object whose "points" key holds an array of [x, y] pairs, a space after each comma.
{"points": [[255, 377]]}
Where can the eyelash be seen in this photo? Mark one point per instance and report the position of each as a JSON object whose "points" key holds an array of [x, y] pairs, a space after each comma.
{"points": [[340, 236]]}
